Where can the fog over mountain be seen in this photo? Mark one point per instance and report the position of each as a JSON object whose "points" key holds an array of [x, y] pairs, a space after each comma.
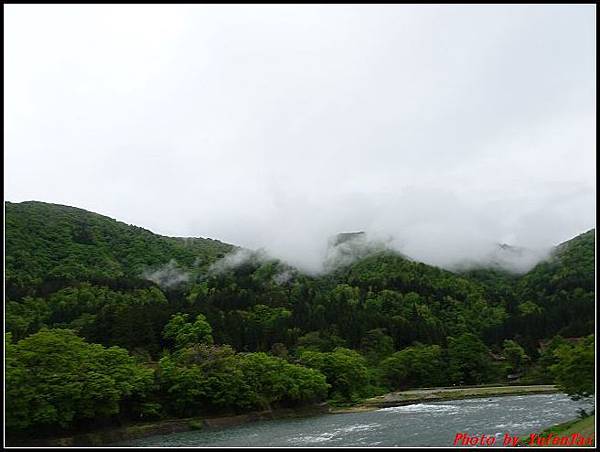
{"points": [[167, 275], [439, 131]]}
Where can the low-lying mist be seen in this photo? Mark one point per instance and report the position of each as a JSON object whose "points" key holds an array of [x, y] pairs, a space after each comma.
{"points": [[167, 275], [430, 226], [336, 254], [441, 135]]}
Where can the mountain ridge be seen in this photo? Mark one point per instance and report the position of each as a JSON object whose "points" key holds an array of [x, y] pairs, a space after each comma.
{"points": [[186, 250], [192, 312]]}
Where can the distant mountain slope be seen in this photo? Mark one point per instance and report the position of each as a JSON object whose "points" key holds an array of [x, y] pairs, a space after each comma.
{"points": [[92, 273], [570, 266], [558, 295], [503, 258], [50, 241], [348, 247]]}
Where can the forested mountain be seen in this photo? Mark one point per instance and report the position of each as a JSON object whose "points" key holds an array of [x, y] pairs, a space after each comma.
{"points": [[247, 331], [49, 243], [570, 266], [555, 297]]}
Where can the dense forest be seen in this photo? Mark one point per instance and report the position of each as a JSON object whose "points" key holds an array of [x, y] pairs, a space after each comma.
{"points": [[109, 323]]}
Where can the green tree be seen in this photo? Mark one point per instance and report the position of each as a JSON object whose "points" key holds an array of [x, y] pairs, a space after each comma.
{"points": [[415, 366], [515, 356], [320, 341], [574, 372], [273, 380], [27, 316], [376, 345], [183, 332], [265, 325], [201, 378], [346, 371], [469, 360], [205, 378], [56, 379]]}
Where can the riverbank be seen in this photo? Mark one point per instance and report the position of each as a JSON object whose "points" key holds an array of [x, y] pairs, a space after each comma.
{"points": [[142, 430], [581, 428], [421, 425], [400, 398]]}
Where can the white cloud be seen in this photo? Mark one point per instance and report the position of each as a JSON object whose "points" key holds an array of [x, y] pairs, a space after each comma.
{"points": [[450, 128]]}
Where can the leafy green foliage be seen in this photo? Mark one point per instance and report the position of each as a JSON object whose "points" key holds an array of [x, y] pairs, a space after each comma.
{"points": [[376, 345], [558, 294], [201, 378], [539, 372], [26, 317], [574, 371], [204, 378], [132, 319], [515, 356], [48, 243], [416, 366], [249, 332], [469, 360], [346, 371], [183, 332], [54, 378], [273, 380], [320, 341]]}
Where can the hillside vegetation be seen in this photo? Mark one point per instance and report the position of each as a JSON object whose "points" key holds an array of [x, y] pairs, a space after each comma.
{"points": [[109, 322], [50, 243]]}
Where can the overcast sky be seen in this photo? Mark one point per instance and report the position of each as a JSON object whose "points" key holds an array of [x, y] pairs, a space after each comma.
{"points": [[444, 128]]}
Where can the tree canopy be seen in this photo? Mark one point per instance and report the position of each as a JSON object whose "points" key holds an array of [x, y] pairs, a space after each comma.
{"points": [[107, 320]]}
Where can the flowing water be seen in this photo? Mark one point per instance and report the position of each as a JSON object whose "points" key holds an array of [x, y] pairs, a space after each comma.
{"points": [[423, 424]]}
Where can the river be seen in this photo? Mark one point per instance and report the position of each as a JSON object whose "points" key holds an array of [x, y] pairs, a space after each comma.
{"points": [[423, 424]]}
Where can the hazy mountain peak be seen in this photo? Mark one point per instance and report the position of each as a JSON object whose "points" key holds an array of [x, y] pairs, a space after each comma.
{"points": [[343, 237], [347, 247]]}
